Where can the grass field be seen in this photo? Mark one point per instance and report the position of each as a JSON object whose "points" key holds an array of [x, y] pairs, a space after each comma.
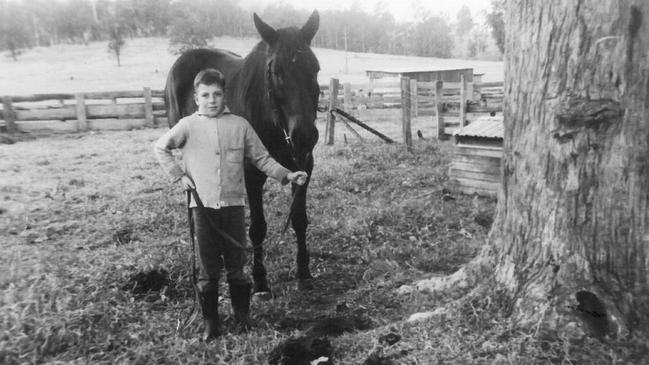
{"points": [[145, 62], [95, 262]]}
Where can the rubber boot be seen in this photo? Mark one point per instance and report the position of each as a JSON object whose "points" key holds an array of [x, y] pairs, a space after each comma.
{"points": [[240, 296], [210, 308]]}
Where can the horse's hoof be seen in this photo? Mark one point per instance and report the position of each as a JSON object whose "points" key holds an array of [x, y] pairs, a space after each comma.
{"points": [[262, 296], [305, 284]]}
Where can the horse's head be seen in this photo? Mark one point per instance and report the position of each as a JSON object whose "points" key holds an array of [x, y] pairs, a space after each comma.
{"points": [[292, 79]]}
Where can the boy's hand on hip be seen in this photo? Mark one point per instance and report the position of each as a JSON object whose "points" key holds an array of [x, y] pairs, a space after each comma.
{"points": [[187, 183], [297, 177]]}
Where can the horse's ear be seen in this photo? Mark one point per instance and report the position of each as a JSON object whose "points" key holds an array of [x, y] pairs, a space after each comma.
{"points": [[267, 33], [311, 26]]}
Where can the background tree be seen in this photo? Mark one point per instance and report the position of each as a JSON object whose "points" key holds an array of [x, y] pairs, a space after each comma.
{"points": [[15, 32], [41, 21], [463, 21], [189, 28], [432, 38], [495, 19], [150, 17], [570, 242], [195, 22], [385, 29], [116, 39], [73, 19], [477, 43]]}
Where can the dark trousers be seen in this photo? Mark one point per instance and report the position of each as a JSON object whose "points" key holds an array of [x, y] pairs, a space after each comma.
{"points": [[216, 252]]}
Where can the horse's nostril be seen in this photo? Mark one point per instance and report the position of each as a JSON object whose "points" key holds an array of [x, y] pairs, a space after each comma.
{"points": [[305, 136]]}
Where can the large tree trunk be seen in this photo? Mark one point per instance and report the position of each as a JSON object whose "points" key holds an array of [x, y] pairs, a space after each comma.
{"points": [[571, 237]]}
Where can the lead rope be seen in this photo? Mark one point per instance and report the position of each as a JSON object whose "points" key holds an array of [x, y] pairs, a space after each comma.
{"points": [[193, 313], [287, 138]]}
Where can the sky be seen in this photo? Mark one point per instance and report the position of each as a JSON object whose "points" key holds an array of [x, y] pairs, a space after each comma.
{"points": [[402, 10]]}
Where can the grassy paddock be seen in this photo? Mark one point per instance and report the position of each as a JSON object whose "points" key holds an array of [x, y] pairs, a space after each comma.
{"points": [[83, 214]]}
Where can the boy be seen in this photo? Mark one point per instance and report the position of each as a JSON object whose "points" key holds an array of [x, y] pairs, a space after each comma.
{"points": [[214, 143]]}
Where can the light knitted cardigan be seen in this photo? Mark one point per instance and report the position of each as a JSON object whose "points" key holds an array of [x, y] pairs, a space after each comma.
{"points": [[213, 151]]}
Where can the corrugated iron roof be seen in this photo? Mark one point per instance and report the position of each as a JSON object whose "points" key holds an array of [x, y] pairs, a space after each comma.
{"points": [[485, 127], [399, 70]]}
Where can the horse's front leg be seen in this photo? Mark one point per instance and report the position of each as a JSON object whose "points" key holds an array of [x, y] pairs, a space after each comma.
{"points": [[300, 222], [255, 180]]}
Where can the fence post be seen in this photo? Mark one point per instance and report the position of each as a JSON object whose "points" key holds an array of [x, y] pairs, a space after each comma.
{"points": [[148, 108], [82, 119], [333, 100], [348, 106], [406, 98], [414, 102], [463, 96], [9, 115], [469, 90], [439, 84]]}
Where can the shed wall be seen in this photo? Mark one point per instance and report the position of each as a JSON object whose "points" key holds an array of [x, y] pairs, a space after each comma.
{"points": [[476, 168]]}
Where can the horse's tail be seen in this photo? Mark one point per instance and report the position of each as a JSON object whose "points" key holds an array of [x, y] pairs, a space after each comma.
{"points": [[171, 100]]}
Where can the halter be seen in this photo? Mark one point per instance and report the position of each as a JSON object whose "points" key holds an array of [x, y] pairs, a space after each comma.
{"points": [[287, 138], [276, 113]]}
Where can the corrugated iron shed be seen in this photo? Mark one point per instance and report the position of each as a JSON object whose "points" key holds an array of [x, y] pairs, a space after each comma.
{"points": [[418, 69], [484, 127], [423, 74]]}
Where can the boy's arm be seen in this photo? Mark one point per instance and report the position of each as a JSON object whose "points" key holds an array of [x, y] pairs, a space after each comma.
{"points": [[172, 139], [258, 154]]}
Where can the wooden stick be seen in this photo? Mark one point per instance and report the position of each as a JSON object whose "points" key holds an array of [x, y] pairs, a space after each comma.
{"points": [[462, 100], [406, 98], [82, 120], [349, 127], [363, 125], [439, 107], [148, 107], [9, 115], [333, 99], [414, 100], [347, 103]]}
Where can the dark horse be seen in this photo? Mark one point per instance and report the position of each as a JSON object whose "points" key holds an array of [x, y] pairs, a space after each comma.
{"points": [[276, 89]]}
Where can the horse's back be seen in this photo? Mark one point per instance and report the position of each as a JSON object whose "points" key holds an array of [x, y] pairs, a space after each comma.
{"points": [[179, 86]]}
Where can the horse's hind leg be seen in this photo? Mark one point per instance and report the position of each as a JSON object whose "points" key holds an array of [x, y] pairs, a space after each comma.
{"points": [[255, 180]]}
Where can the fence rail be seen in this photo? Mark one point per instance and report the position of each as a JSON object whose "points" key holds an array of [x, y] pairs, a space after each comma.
{"points": [[481, 98], [453, 102], [83, 111]]}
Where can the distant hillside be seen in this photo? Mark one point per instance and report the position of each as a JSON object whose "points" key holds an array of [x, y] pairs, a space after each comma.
{"points": [[145, 62]]}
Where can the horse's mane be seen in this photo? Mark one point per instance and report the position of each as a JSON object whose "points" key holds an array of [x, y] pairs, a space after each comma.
{"points": [[253, 82]]}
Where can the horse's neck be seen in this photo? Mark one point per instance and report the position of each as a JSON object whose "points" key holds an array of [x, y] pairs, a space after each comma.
{"points": [[248, 87]]}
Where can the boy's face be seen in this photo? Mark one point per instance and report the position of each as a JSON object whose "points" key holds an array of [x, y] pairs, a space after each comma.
{"points": [[209, 99]]}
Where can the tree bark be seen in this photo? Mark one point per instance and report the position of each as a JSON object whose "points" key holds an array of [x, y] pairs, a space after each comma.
{"points": [[571, 237]]}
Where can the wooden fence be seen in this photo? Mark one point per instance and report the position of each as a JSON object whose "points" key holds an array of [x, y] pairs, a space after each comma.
{"points": [[113, 110], [446, 103], [449, 105], [480, 97]]}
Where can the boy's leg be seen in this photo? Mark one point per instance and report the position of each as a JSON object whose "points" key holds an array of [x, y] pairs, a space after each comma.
{"points": [[235, 257], [209, 252], [209, 249], [233, 222]]}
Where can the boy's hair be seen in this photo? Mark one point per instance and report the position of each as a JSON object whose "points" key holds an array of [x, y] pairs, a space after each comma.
{"points": [[210, 76]]}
